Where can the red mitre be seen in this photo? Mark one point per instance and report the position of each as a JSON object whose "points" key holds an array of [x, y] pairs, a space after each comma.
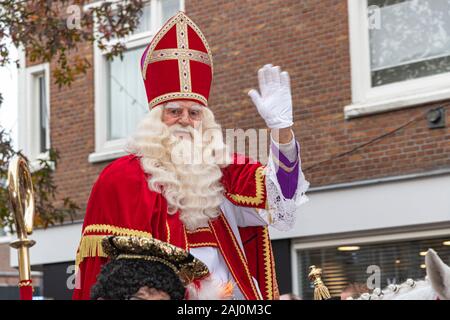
{"points": [[177, 64]]}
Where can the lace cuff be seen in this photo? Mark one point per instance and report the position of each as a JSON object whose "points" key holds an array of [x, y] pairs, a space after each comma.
{"points": [[282, 211]]}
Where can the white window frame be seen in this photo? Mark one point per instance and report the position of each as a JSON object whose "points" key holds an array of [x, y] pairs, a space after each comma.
{"points": [[367, 100], [111, 149], [28, 133], [298, 245]]}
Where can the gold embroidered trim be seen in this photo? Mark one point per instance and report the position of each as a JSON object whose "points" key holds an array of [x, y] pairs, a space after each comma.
{"points": [[168, 231], [199, 230], [186, 243], [117, 231], [91, 245], [241, 256], [276, 291], [259, 194], [202, 244], [172, 54], [267, 264], [177, 95], [180, 17], [184, 69]]}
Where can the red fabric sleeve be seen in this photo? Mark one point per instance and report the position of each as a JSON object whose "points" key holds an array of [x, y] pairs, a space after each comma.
{"points": [[244, 182], [120, 204]]}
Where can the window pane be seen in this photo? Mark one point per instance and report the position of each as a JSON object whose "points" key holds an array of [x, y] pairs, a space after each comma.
{"points": [[127, 98], [169, 9], [411, 41], [398, 261], [145, 20], [43, 115]]}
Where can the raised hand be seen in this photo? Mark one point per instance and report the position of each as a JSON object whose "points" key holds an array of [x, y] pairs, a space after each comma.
{"points": [[274, 101]]}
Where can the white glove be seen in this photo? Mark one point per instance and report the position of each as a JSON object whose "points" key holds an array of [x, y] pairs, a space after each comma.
{"points": [[275, 102]]}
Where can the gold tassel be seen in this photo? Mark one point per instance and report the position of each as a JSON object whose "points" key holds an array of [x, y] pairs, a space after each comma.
{"points": [[90, 246], [320, 290]]}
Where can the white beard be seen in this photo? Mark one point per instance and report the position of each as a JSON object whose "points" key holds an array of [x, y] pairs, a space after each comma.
{"points": [[183, 166], [199, 192]]}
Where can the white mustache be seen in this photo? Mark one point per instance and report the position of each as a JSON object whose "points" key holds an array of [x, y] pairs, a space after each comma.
{"points": [[179, 130]]}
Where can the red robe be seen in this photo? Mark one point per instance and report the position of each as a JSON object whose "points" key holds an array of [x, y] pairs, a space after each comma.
{"points": [[121, 203]]}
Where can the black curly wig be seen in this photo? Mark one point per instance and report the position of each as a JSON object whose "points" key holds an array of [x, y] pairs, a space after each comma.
{"points": [[121, 279]]}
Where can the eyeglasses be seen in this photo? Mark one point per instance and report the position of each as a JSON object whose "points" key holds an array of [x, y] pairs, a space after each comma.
{"points": [[195, 113]]}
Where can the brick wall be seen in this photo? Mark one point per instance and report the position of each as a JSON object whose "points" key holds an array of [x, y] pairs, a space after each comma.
{"points": [[309, 39], [73, 134]]}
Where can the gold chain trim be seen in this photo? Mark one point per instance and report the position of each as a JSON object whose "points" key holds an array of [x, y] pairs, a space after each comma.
{"points": [[202, 244], [199, 230], [177, 95], [259, 194]]}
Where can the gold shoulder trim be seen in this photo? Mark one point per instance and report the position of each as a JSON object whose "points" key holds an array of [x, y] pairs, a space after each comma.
{"points": [[117, 231], [259, 194], [91, 245]]}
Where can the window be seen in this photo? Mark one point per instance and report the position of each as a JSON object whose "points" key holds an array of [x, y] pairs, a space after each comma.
{"points": [[397, 261], [120, 98], [34, 111], [400, 54], [41, 96], [412, 41]]}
